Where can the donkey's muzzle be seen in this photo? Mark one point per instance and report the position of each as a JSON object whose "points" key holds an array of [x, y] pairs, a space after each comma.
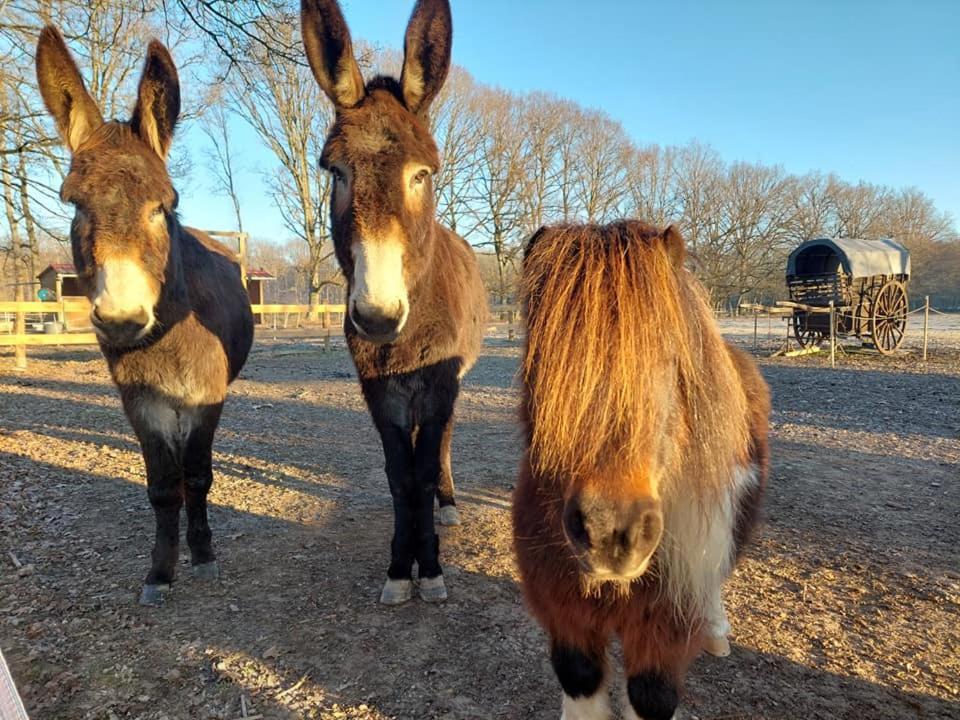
{"points": [[612, 539], [119, 329], [377, 324]]}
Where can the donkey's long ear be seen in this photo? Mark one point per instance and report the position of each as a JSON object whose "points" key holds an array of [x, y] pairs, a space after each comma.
{"points": [[675, 246], [326, 39], [61, 86], [158, 100], [426, 53]]}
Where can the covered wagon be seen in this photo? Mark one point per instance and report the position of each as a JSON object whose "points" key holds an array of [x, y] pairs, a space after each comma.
{"points": [[865, 279]]}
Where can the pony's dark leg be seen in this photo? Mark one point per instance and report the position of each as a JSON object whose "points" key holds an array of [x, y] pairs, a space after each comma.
{"points": [[448, 505], [165, 490], [427, 469], [581, 669], [197, 479], [656, 656], [398, 456], [651, 696]]}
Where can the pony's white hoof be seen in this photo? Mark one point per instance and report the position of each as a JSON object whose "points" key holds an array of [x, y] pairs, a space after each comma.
{"points": [[449, 515], [433, 590], [207, 571], [152, 595], [396, 592], [717, 645]]}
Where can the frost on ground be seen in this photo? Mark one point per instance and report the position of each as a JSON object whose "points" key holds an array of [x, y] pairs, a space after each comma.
{"points": [[845, 607]]}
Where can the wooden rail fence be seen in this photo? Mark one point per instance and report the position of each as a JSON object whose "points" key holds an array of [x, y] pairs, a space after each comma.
{"points": [[62, 311]]}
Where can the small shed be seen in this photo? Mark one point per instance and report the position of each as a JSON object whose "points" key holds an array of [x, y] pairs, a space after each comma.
{"points": [[256, 277], [61, 279]]}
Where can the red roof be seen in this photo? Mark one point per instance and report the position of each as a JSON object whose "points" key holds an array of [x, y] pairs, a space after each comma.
{"points": [[60, 269], [69, 269]]}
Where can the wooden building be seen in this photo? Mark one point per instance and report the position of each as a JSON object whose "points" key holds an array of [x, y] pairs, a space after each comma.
{"points": [[61, 279], [255, 284]]}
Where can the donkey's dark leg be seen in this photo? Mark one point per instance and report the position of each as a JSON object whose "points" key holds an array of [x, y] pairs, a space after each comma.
{"points": [[581, 669], [427, 468], [398, 454], [165, 490], [197, 479], [448, 505]]}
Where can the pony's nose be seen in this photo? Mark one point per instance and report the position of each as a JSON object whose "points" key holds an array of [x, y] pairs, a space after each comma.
{"points": [[377, 322], [613, 537]]}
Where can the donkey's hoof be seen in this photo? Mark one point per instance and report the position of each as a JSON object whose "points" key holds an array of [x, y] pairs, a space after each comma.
{"points": [[433, 590], [449, 515], [396, 592], [717, 645], [207, 571], [152, 595]]}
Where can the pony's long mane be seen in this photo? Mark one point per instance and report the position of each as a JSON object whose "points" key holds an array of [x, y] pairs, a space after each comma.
{"points": [[608, 308]]}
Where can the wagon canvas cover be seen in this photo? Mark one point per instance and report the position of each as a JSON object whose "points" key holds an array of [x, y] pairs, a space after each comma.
{"points": [[859, 258]]}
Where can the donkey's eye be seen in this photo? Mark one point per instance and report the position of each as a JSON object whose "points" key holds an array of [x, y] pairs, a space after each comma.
{"points": [[156, 212], [420, 177], [337, 174]]}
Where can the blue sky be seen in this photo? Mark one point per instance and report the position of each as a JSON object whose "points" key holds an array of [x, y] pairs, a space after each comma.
{"points": [[868, 90]]}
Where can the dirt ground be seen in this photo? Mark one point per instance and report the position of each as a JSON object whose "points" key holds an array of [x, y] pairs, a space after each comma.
{"points": [[845, 607]]}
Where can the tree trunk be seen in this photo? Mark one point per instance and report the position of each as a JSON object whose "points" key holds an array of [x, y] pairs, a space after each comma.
{"points": [[34, 245]]}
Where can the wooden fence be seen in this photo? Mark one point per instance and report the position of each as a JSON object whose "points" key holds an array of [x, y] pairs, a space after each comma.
{"points": [[61, 311]]}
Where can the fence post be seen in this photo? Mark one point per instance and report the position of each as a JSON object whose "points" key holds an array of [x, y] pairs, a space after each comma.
{"points": [[754, 329], [926, 323], [833, 337], [242, 257], [20, 351]]}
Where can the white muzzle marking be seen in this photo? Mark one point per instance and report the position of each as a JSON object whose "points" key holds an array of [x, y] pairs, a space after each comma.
{"points": [[124, 294], [378, 282]]}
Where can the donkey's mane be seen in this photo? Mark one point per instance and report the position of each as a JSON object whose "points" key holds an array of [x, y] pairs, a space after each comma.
{"points": [[388, 83], [607, 311]]}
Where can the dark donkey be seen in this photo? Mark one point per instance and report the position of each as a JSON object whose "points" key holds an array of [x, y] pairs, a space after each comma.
{"points": [[169, 308], [416, 302]]}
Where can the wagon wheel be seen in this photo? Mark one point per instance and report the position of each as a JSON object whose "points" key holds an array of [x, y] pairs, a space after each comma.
{"points": [[888, 317], [806, 336]]}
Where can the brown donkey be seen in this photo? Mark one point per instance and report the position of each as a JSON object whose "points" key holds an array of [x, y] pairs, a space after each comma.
{"points": [[169, 309], [416, 302], [646, 459]]}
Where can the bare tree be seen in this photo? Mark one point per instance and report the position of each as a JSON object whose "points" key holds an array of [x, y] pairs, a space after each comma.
{"points": [[856, 208], [698, 180], [455, 124], [220, 155], [541, 146], [649, 182], [501, 166], [282, 103], [602, 155]]}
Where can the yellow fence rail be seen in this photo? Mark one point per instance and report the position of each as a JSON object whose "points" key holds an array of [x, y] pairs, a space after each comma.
{"points": [[62, 311], [87, 338], [267, 309]]}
